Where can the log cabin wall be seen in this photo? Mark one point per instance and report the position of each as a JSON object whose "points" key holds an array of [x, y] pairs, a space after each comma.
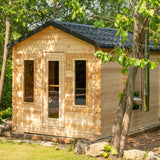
{"points": [[112, 82], [111, 86], [141, 119], [78, 121]]}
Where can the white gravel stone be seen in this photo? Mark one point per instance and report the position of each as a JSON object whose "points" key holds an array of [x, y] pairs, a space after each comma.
{"points": [[134, 154], [153, 156], [95, 149]]}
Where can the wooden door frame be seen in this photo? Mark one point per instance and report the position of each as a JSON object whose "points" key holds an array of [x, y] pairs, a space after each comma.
{"points": [[46, 57]]}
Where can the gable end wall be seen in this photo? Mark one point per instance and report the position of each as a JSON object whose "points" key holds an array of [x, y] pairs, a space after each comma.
{"points": [[79, 122]]}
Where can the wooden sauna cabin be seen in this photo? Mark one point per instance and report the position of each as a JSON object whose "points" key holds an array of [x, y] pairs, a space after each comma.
{"points": [[61, 89]]}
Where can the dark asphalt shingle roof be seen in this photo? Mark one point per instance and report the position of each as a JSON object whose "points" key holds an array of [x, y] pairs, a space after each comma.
{"points": [[101, 37]]}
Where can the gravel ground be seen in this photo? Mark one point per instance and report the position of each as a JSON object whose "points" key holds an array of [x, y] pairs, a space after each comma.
{"points": [[146, 141]]}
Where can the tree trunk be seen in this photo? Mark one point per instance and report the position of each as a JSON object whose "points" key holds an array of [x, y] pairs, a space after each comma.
{"points": [[129, 107], [116, 129], [5, 54]]}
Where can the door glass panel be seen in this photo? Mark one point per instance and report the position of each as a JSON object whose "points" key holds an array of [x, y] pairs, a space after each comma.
{"points": [[53, 89], [80, 82]]}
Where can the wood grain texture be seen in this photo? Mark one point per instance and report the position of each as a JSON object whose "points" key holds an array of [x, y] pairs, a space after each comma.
{"points": [[74, 121]]}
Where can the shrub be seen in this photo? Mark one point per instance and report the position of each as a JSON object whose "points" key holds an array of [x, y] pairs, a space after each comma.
{"points": [[109, 150], [0, 117], [7, 113], [6, 100]]}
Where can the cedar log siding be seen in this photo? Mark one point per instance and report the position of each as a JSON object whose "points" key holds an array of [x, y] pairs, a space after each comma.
{"points": [[79, 121]]}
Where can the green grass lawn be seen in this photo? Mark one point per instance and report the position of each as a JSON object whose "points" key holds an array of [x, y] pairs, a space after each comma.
{"points": [[10, 150]]}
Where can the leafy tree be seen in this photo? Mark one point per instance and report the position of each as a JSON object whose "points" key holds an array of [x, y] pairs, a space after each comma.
{"points": [[144, 10], [5, 52]]}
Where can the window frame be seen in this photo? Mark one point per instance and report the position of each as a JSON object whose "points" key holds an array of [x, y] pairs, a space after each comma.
{"points": [[46, 121], [74, 81]]}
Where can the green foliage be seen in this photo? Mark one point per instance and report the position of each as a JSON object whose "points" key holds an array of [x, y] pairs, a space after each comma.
{"points": [[152, 65], [124, 60], [71, 148], [114, 151], [106, 155], [124, 70], [158, 60], [142, 6], [7, 89], [120, 96], [109, 150], [145, 155], [7, 113], [99, 23], [1, 117], [77, 9], [123, 23]]}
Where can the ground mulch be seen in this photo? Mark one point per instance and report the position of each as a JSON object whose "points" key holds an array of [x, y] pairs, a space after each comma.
{"points": [[147, 141]]}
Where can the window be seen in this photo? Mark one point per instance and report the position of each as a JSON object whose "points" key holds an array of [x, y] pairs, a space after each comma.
{"points": [[80, 82], [136, 106], [53, 89], [28, 80]]}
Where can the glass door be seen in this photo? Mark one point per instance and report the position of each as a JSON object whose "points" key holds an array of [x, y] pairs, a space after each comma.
{"points": [[53, 89]]}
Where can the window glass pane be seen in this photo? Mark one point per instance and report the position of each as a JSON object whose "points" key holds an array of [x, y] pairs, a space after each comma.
{"points": [[53, 89], [28, 80], [80, 82], [135, 106]]}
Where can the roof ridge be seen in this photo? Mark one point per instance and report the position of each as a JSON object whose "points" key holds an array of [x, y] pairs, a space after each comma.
{"points": [[76, 24], [84, 25]]}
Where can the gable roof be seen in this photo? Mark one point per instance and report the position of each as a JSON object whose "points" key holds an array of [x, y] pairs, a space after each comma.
{"points": [[101, 37]]}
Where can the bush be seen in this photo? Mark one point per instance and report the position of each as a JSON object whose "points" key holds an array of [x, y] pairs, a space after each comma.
{"points": [[109, 151], [0, 117], [6, 100], [7, 113]]}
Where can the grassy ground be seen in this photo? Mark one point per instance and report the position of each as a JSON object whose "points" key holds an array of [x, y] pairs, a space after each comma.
{"points": [[22, 151]]}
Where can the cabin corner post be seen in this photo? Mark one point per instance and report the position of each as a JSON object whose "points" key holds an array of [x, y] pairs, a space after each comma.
{"points": [[13, 105], [97, 95]]}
